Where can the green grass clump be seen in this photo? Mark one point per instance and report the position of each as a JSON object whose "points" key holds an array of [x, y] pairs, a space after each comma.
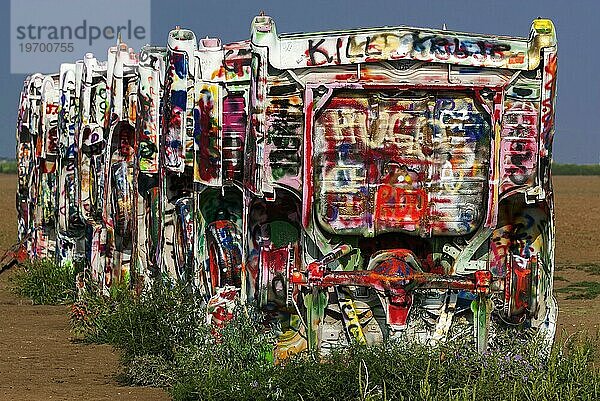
{"points": [[575, 169], [45, 282], [152, 323], [591, 268], [582, 290], [165, 341], [400, 370], [8, 166], [159, 330]]}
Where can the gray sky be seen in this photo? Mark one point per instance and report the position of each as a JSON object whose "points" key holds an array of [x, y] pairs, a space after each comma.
{"points": [[577, 137]]}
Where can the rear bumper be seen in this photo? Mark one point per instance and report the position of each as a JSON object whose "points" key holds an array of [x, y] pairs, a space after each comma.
{"points": [[396, 284]]}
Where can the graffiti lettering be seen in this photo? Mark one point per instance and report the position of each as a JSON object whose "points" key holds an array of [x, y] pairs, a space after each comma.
{"points": [[420, 46]]}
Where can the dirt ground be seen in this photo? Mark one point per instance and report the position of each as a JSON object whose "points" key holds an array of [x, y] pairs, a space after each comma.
{"points": [[38, 360], [577, 207]]}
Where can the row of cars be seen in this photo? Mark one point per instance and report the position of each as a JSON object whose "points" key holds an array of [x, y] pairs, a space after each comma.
{"points": [[354, 185]]}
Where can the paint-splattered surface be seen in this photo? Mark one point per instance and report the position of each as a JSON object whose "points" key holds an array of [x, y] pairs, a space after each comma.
{"points": [[401, 179]]}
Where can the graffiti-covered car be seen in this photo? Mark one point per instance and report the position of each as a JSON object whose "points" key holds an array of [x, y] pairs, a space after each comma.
{"points": [[353, 185]]}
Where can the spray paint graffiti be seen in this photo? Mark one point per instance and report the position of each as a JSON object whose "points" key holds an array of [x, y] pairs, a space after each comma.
{"points": [[207, 134], [426, 46], [354, 186]]}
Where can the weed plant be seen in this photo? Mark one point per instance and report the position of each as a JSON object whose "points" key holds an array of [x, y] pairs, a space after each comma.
{"points": [[165, 341], [45, 282]]}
